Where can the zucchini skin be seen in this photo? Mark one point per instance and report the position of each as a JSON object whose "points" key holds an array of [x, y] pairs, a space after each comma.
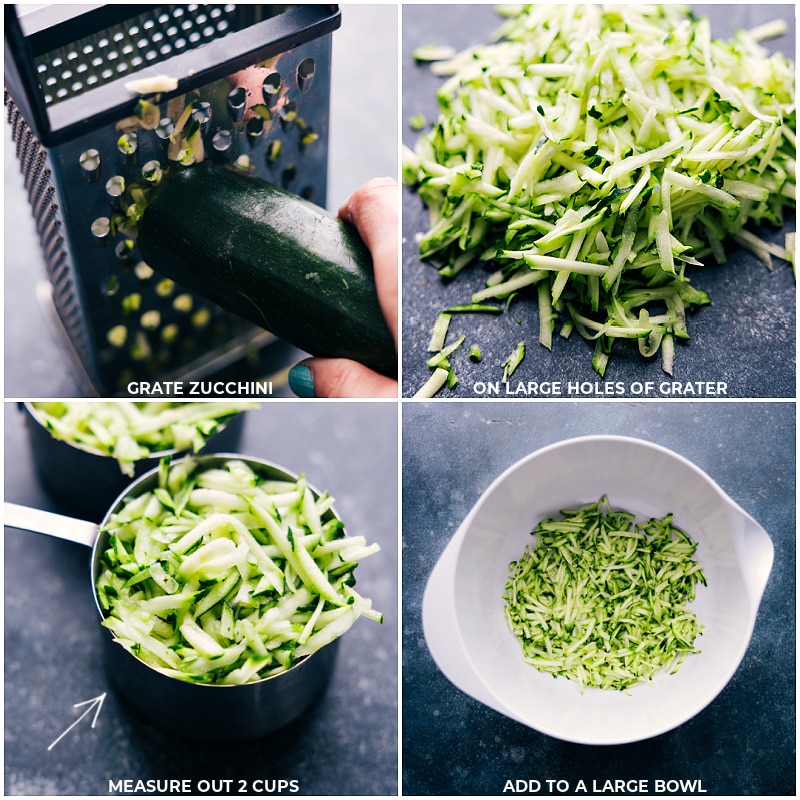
{"points": [[271, 257]]}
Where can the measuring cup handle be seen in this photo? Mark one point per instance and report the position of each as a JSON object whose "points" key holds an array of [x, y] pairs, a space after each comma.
{"points": [[38, 521]]}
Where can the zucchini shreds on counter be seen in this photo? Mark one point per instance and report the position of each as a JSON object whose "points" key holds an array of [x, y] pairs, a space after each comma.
{"points": [[221, 576], [603, 600], [602, 152]]}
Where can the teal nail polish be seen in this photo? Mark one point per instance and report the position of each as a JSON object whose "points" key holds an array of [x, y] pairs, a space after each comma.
{"points": [[301, 381]]}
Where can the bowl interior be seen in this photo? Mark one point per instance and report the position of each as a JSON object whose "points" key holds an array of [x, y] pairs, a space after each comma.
{"points": [[649, 481]]}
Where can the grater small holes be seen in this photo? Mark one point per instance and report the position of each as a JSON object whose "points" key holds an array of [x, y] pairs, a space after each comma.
{"points": [[201, 112], [288, 112], [150, 320], [90, 164], [271, 86], [288, 175], [305, 74], [222, 141], [117, 336], [140, 349], [201, 318], [254, 128], [273, 151], [101, 229], [165, 288], [128, 143], [143, 271], [237, 100], [165, 128], [110, 286], [183, 303], [131, 303], [124, 251], [169, 333], [115, 187]]}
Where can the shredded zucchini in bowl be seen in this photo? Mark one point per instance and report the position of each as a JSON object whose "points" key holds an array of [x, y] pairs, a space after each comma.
{"points": [[599, 154], [603, 600]]}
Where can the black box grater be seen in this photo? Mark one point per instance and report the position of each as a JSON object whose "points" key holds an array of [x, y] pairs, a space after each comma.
{"points": [[245, 85]]}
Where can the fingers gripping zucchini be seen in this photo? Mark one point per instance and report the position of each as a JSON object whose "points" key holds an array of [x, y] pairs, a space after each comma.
{"points": [[271, 257]]}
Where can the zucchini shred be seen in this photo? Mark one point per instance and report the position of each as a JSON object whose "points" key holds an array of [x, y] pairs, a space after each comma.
{"points": [[593, 156], [220, 575], [603, 600]]}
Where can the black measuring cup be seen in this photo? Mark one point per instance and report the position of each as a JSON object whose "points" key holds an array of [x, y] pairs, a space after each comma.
{"points": [[209, 712]]}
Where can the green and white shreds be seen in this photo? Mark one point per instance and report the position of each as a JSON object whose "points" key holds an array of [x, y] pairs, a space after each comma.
{"points": [[221, 576], [602, 151], [603, 600]]}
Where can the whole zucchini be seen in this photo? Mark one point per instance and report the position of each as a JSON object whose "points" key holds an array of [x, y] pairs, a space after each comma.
{"points": [[271, 257]]}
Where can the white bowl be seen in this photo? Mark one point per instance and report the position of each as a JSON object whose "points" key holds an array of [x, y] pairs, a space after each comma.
{"points": [[462, 611]]}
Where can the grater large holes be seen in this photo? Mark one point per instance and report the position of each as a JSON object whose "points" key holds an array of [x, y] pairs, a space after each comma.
{"points": [[305, 74]]}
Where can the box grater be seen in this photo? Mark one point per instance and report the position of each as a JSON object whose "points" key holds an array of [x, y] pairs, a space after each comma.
{"points": [[253, 91]]}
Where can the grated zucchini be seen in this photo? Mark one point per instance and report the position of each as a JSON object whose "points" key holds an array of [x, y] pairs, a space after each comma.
{"points": [[221, 576], [603, 600], [602, 152]]}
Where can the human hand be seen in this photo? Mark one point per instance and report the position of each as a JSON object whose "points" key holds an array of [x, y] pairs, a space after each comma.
{"points": [[373, 210]]}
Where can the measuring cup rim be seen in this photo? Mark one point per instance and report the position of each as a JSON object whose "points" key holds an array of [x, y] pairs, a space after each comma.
{"points": [[130, 491]]}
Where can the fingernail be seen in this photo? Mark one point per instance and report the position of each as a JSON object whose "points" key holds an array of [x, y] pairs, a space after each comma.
{"points": [[301, 381]]}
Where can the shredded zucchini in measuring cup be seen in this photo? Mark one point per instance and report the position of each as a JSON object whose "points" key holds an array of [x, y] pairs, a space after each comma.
{"points": [[219, 575], [603, 600], [132, 431], [601, 152]]}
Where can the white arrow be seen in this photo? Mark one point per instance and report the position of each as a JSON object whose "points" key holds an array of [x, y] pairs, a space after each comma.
{"points": [[96, 703]]}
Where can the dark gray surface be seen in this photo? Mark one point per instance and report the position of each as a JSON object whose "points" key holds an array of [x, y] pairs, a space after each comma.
{"points": [[345, 745], [39, 361], [741, 744], [745, 338]]}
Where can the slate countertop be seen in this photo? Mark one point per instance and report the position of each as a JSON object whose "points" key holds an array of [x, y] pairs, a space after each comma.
{"points": [[742, 743], [346, 744], [744, 339]]}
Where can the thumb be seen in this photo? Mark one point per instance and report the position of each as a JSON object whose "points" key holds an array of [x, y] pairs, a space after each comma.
{"points": [[339, 377]]}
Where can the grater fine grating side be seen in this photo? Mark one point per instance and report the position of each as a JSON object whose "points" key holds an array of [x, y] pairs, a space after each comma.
{"points": [[253, 93]]}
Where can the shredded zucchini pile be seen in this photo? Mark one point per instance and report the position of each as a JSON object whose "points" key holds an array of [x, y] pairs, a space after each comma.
{"points": [[599, 152], [130, 432], [221, 576], [603, 600]]}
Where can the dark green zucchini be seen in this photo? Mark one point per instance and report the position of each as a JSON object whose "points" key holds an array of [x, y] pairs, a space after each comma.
{"points": [[271, 257]]}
